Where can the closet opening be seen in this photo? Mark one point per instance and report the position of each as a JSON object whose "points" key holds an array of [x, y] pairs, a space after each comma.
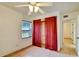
{"points": [[43, 34]]}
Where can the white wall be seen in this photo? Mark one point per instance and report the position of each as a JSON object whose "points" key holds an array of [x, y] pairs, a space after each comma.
{"points": [[59, 25], [10, 31], [71, 15]]}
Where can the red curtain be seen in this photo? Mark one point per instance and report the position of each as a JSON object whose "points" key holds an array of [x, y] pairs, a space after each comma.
{"points": [[37, 33], [51, 33]]}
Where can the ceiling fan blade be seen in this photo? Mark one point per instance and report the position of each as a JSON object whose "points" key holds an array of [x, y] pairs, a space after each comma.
{"points": [[31, 8], [44, 4], [21, 5], [36, 9], [41, 11]]}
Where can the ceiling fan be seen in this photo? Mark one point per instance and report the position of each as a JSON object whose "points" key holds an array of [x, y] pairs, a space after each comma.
{"points": [[34, 7]]}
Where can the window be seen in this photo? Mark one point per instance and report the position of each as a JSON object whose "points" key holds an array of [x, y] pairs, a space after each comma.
{"points": [[26, 29]]}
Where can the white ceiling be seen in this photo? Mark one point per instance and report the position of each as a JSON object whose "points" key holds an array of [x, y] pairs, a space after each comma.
{"points": [[57, 6]]}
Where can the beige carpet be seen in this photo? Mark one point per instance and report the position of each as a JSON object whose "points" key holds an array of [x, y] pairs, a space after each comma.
{"points": [[35, 51], [42, 52]]}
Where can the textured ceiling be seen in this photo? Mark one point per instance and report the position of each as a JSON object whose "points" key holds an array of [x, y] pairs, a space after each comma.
{"points": [[57, 6]]}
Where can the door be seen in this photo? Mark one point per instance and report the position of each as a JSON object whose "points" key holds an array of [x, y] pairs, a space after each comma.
{"points": [[51, 33], [37, 33]]}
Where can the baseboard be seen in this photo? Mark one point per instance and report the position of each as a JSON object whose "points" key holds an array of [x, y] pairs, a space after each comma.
{"points": [[17, 51]]}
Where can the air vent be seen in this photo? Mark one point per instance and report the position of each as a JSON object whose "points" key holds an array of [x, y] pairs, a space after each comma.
{"points": [[65, 16]]}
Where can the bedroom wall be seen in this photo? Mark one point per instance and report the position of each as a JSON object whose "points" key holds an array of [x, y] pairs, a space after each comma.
{"points": [[71, 15], [10, 31], [59, 24]]}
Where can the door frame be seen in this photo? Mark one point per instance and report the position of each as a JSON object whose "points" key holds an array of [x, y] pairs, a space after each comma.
{"points": [[74, 30]]}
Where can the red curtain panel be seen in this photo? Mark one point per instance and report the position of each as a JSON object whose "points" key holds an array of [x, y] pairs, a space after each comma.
{"points": [[51, 33], [36, 33]]}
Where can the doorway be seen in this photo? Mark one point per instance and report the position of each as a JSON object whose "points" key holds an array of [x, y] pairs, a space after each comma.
{"points": [[69, 46]]}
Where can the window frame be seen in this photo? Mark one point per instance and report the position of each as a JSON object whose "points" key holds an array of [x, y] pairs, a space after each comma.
{"points": [[30, 30]]}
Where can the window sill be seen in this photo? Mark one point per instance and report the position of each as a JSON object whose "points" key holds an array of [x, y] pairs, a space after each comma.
{"points": [[27, 37]]}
